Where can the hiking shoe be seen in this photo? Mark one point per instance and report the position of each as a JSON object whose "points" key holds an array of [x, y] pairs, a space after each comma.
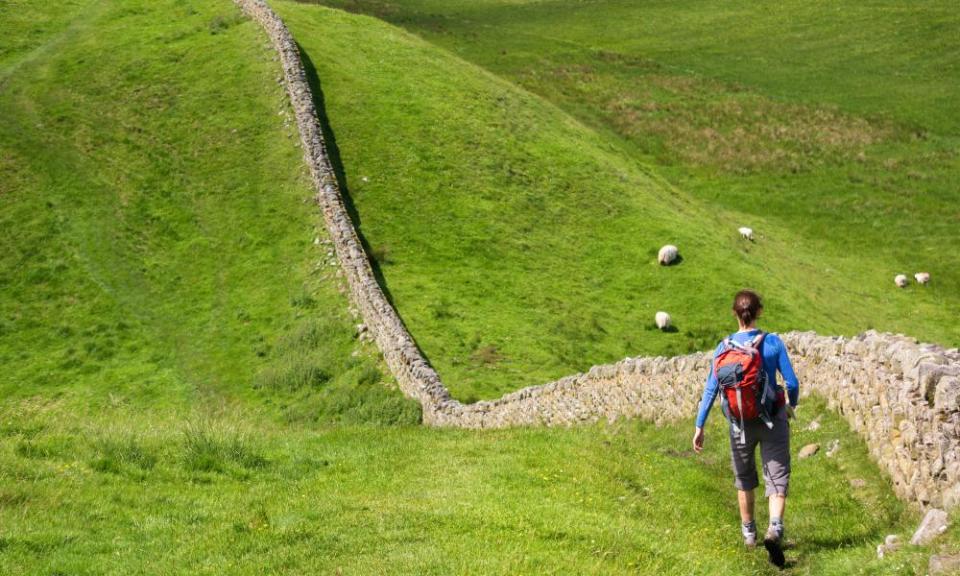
{"points": [[772, 542], [749, 532]]}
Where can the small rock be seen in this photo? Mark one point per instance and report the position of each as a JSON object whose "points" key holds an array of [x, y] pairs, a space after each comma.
{"points": [[934, 524], [944, 564], [890, 544], [808, 451], [832, 448], [814, 425], [858, 483]]}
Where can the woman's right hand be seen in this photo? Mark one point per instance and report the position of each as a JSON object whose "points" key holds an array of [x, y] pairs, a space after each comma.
{"points": [[698, 440]]}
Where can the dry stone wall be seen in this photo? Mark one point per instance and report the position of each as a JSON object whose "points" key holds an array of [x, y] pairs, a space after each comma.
{"points": [[414, 374], [901, 396]]}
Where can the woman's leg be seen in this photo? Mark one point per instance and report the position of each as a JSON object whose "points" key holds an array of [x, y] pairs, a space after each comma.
{"points": [[745, 499], [775, 459], [745, 480], [778, 504]]}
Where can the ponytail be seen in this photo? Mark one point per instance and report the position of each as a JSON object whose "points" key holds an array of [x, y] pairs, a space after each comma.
{"points": [[747, 306]]}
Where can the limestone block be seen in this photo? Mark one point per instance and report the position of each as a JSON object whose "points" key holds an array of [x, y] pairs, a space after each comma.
{"points": [[946, 398], [934, 523], [808, 451], [944, 564]]}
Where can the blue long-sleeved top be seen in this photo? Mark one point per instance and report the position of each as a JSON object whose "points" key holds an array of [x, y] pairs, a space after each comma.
{"points": [[774, 359]]}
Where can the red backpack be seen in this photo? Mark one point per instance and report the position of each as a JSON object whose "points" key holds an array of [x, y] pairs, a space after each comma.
{"points": [[743, 383]]}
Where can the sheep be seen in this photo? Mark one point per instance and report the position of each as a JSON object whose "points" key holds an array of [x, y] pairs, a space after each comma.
{"points": [[922, 277], [667, 255], [746, 233], [900, 280], [663, 320]]}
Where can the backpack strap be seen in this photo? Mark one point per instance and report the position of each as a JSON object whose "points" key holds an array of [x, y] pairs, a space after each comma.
{"points": [[768, 386]]}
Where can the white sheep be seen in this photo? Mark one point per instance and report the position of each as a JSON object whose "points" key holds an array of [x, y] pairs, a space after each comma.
{"points": [[663, 320], [746, 233], [667, 255], [900, 280], [922, 277]]}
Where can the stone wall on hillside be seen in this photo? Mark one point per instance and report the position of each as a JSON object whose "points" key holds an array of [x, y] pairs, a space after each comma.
{"points": [[414, 374], [901, 396]]}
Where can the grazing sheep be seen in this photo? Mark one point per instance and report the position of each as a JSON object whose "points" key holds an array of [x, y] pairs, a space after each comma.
{"points": [[667, 255], [663, 320], [922, 277], [746, 233], [900, 280]]}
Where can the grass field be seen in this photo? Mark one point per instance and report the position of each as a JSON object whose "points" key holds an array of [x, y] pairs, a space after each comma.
{"points": [[183, 391], [121, 493], [517, 233]]}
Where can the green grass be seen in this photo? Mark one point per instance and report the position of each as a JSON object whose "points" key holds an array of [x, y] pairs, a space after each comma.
{"points": [[517, 233], [183, 390], [882, 58], [157, 227], [121, 495]]}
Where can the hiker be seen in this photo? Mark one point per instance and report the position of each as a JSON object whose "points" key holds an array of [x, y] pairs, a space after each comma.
{"points": [[744, 373]]}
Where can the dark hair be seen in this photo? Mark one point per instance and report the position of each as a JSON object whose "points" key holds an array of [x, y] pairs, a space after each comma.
{"points": [[747, 305]]}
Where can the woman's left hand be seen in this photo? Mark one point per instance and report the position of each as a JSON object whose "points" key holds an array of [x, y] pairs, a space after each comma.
{"points": [[698, 437]]}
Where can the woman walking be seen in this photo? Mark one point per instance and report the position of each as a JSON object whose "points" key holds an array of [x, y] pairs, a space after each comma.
{"points": [[744, 373]]}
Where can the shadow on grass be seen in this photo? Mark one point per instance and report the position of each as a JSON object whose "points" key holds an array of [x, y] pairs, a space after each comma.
{"points": [[333, 154]]}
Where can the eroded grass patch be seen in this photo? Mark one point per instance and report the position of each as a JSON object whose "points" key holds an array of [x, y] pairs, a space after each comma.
{"points": [[725, 126]]}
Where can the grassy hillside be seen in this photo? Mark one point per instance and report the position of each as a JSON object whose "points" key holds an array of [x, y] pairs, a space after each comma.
{"points": [[156, 231], [518, 238], [882, 58]]}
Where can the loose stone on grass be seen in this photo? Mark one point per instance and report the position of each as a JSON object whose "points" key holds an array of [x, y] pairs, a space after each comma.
{"points": [[944, 564], [890, 544], [832, 448], [933, 524], [808, 451]]}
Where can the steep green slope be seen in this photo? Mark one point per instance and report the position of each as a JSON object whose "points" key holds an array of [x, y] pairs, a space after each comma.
{"points": [[156, 225], [519, 244]]}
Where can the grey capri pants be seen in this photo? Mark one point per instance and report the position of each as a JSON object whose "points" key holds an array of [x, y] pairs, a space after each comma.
{"points": [[774, 455]]}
